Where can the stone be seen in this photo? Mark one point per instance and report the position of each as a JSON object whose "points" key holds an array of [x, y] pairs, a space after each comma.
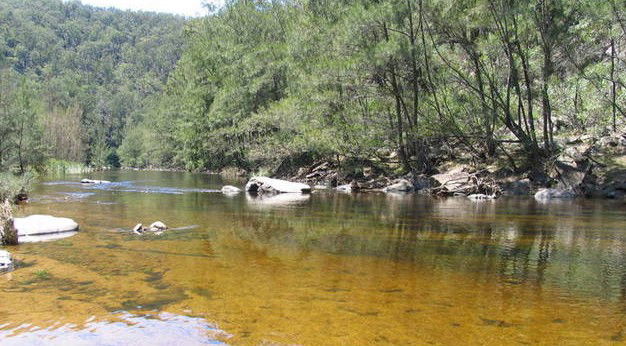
{"points": [[401, 185], [138, 229], [572, 176], [92, 181], [6, 261], [157, 226], [547, 194], [37, 228], [344, 188], [452, 180], [320, 187], [229, 189], [270, 185]]}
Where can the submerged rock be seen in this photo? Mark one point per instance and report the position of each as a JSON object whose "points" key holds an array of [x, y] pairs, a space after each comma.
{"points": [[270, 185], [156, 227], [6, 261], [546, 194], [229, 189], [36, 228], [92, 181], [401, 185]]}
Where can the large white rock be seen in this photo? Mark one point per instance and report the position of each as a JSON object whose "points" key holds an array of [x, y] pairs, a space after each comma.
{"points": [[6, 261], [36, 228], [265, 184]]}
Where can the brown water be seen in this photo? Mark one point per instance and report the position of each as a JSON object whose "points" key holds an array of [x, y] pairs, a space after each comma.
{"points": [[322, 269]]}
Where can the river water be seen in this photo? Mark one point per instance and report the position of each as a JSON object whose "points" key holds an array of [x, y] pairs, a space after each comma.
{"points": [[326, 268]]}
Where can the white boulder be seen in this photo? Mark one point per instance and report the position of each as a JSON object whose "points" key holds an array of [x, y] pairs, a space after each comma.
{"points": [[265, 184], [157, 226], [6, 261], [36, 228], [138, 229]]}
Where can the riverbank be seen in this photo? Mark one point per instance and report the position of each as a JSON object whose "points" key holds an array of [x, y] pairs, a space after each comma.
{"points": [[585, 166]]}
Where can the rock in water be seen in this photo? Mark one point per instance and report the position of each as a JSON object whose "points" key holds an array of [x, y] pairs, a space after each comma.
{"points": [[269, 185], [229, 189], [157, 226], [37, 228], [138, 229], [401, 185], [547, 194], [6, 261], [91, 181]]}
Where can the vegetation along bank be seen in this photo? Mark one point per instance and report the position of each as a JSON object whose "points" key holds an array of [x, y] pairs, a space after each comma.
{"points": [[512, 96]]}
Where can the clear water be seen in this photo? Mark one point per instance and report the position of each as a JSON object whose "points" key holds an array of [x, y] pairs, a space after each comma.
{"points": [[327, 268]]}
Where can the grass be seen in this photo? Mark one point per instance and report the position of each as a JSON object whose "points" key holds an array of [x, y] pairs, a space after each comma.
{"points": [[42, 274], [61, 167], [12, 185]]}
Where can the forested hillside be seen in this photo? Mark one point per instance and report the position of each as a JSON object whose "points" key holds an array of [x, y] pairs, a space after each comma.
{"points": [[266, 83], [273, 85], [73, 76]]}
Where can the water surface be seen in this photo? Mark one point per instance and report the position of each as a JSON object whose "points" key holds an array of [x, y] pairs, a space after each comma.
{"points": [[327, 268]]}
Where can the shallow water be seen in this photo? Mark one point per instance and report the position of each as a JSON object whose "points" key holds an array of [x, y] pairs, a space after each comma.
{"points": [[327, 268]]}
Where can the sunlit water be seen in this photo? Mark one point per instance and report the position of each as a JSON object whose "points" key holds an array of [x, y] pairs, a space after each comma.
{"points": [[321, 269]]}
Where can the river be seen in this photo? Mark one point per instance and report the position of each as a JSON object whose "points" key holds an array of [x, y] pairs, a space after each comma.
{"points": [[326, 268]]}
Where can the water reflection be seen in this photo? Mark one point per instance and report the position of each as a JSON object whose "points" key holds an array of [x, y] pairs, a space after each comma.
{"points": [[277, 200], [126, 329]]}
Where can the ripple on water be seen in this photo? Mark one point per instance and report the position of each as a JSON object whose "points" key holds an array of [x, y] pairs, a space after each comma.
{"points": [[158, 329], [129, 186]]}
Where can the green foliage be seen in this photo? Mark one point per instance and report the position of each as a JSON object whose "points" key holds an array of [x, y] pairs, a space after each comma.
{"points": [[261, 84], [57, 167], [12, 185], [264, 82], [75, 76]]}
